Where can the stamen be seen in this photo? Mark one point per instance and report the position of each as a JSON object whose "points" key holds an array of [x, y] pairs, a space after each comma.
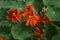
{"points": [[13, 14], [30, 17]]}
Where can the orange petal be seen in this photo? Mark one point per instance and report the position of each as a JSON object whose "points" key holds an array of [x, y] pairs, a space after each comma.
{"points": [[37, 29], [45, 21], [16, 11], [23, 14], [27, 22], [31, 23], [7, 17], [34, 22], [18, 17], [35, 33], [12, 11], [28, 7], [37, 17], [14, 20], [38, 34]]}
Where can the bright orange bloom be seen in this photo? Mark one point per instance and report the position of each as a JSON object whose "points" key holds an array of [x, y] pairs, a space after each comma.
{"points": [[13, 15], [30, 17], [1, 38]]}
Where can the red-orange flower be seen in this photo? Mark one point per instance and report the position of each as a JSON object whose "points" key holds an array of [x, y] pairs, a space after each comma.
{"points": [[37, 32], [13, 15], [30, 17], [37, 29], [1, 38]]}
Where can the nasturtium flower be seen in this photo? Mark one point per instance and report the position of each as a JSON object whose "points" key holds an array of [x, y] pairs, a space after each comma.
{"points": [[29, 15], [37, 32], [37, 29], [1, 38], [13, 15]]}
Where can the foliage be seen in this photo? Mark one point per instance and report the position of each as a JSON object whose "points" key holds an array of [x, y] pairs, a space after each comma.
{"points": [[49, 23]]}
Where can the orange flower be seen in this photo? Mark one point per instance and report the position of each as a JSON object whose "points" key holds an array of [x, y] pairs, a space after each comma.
{"points": [[30, 17], [1, 38], [39, 35], [13, 15], [37, 32], [37, 29]]}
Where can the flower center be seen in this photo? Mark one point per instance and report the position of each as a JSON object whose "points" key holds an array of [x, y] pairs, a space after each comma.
{"points": [[13, 14], [30, 17]]}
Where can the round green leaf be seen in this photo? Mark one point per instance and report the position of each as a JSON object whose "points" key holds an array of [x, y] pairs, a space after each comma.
{"points": [[53, 14], [56, 37], [20, 31], [55, 3]]}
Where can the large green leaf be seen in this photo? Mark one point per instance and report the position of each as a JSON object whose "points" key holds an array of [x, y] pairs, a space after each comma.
{"points": [[57, 27], [46, 2], [20, 31], [5, 33], [12, 4], [5, 30], [53, 13], [6, 23], [37, 5], [5, 36], [56, 37], [3, 13], [49, 31], [55, 3]]}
